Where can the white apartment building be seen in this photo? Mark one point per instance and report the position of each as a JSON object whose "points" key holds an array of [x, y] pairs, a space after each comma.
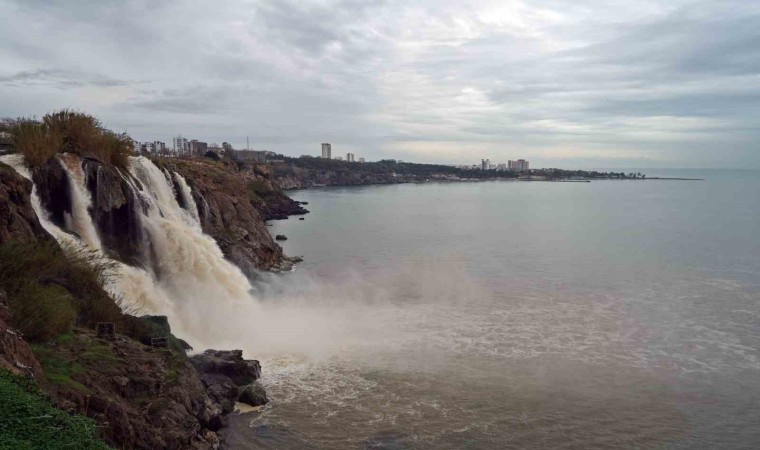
{"points": [[326, 150], [350, 157], [181, 146]]}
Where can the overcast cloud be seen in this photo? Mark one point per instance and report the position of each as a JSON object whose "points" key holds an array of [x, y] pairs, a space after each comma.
{"points": [[587, 83]]}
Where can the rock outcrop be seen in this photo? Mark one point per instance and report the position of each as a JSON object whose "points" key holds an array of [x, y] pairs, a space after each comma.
{"points": [[114, 211], [18, 222], [233, 205], [141, 397], [230, 378]]}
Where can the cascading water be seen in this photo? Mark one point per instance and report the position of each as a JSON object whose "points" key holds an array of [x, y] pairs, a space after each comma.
{"points": [[79, 220], [189, 265], [186, 277], [187, 197]]}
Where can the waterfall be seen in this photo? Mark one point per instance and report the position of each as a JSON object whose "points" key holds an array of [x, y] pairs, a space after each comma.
{"points": [[186, 276], [79, 220], [188, 264], [187, 197]]}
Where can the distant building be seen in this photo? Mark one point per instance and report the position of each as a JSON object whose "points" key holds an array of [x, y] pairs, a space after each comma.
{"points": [[197, 148], [361, 160], [159, 147], [501, 166], [519, 165], [485, 164], [339, 158], [180, 146], [326, 150], [249, 155], [350, 157]]}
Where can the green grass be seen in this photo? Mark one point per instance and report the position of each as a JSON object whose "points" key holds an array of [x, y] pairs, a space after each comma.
{"points": [[58, 369], [28, 421]]}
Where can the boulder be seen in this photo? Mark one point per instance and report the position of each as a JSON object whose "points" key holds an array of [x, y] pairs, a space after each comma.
{"points": [[254, 395], [281, 237], [222, 390], [229, 363]]}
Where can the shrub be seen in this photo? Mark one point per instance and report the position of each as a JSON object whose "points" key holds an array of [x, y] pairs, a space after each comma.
{"points": [[33, 139], [42, 312], [80, 132], [84, 135], [113, 149], [49, 290], [67, 131], [29, 421]]}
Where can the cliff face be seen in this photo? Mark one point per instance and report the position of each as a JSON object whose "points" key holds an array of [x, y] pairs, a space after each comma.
{"points": [[233, 206], [18, 222], [140, 396]]}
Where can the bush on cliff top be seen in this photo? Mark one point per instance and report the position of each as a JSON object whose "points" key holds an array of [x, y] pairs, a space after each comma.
{"points": [[49, 290], [29, 421], [67, 131], [33, 139]]}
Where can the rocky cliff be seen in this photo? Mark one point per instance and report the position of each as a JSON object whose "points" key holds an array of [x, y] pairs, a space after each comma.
{"points": [[139, 395], [233, 204], [18, 222]]}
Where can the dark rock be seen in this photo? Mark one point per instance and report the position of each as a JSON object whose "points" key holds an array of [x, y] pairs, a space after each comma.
{"points": [[281, 237], [222, 390], [139, 397], [115, 210], [53, 188], [254, 395], [18, 221], [229, 363], [145, 328], [301, 218]]}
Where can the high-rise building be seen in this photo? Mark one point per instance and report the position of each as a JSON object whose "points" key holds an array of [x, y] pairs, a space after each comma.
{"points": [[326, 150], [485, 164], [350, 157], [159, 147], [197, 147], [180, 146], [519, 165]]}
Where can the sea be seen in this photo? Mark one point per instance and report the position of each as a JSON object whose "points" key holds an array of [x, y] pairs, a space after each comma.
{"points": [[516, 314]]}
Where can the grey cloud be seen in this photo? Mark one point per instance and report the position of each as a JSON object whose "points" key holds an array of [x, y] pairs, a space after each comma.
{"points": [[60, 79]]}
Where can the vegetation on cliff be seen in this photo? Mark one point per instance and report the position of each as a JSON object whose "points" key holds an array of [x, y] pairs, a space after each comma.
{"points": [[49, 289], [66, 131], [29, 421]]}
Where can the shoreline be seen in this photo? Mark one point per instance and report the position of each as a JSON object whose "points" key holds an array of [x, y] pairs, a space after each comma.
{"points": [[476, 180]]}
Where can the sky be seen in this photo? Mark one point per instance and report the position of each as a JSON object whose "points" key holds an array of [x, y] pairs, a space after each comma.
{"points": [[571, 84]]}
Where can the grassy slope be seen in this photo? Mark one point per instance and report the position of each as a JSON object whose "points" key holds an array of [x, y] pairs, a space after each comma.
{"points": [[29, 421]]}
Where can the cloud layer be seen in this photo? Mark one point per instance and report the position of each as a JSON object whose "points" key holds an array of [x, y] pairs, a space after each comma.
{"points": [[589, 83]]}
